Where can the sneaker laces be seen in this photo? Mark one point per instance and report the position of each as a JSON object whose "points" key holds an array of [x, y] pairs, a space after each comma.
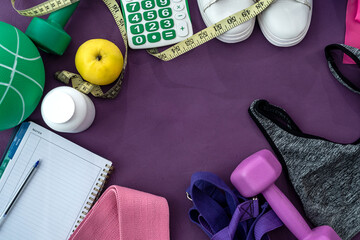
{"points": [[305, 2], [209, 4]]}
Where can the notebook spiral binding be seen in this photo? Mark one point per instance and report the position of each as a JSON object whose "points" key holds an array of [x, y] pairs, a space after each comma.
{"points": [[95, 194]]}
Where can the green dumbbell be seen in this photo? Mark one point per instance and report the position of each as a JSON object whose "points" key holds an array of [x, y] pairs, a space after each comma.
{"points": [[48, 34]]}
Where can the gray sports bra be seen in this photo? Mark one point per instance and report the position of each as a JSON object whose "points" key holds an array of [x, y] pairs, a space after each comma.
{"points": [[325, 174]]}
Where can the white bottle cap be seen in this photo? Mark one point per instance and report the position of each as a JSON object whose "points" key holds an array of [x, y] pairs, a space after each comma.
{"points": [[65, 109], [59, 107]]}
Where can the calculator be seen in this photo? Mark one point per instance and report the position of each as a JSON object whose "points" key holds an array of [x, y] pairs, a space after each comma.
{"points": [[156, 23]]}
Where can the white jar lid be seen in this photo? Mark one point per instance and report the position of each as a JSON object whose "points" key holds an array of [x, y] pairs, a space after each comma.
{"points": [[58, 107]]}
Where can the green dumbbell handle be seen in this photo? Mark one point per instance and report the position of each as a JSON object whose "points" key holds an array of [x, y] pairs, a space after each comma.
{"points": [[62, 16], [48, 34]]}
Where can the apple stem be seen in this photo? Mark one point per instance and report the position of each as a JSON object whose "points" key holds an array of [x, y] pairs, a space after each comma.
{"points": [[98, 57]]}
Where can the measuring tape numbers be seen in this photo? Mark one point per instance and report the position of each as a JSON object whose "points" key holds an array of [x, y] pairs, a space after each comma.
{"points": [[178, 49], [44, 8]]}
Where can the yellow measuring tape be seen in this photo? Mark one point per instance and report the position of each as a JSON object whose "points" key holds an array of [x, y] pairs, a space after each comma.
{"points": [[211, 32], [178, 49], [44, 8]]}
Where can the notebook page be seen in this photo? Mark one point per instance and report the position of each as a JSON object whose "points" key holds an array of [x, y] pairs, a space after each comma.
{"points": [[56, 195]]}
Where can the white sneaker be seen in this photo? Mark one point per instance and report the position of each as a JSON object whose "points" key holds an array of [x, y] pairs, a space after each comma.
{"points": [[285, 22], [212, 11]]}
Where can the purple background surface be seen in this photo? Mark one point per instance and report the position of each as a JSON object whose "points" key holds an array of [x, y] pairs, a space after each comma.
{"points": [[172, 119]]}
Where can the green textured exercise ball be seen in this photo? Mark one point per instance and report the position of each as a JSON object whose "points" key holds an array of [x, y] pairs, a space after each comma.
{"points": [[22, 76]]}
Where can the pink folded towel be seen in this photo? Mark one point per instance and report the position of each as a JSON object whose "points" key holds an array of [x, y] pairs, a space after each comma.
{"points": [[357, 17], [125, 214], [352, 33]]}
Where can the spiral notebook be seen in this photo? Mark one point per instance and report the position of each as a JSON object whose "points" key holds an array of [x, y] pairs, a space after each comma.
{"points": [[61, 192]]}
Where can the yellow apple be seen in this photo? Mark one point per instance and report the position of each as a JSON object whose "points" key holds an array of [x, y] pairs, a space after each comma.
{"points": [[99, 61]]}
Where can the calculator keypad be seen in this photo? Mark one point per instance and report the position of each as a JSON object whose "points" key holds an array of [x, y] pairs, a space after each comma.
{"points": [[154, 23], [163, 3], [150, 15], [148, 4], [135, 18], [153, 37], [139, 40], [168, 35], [167, 23], [133, 7], [165, 12]]}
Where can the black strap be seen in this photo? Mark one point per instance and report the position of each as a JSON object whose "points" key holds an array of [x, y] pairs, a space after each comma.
{"points": [[277, 115], [353, 53]]}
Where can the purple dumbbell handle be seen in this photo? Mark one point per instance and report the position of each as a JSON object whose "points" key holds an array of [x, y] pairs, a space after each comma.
{"points": [[257, 174], [286, 211]]}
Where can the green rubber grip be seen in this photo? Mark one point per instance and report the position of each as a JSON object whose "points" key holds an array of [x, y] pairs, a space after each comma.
{"points": [[62, 16], [48, 34]]}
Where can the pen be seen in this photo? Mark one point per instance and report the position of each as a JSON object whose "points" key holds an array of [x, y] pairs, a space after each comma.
{"points": [[18, 192]]}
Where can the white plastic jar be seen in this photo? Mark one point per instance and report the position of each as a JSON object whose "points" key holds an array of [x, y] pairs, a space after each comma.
{"points": [[65, 109]]}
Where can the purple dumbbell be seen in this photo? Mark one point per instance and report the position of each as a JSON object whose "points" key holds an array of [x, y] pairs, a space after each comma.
{"points": [[257, 174]]}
